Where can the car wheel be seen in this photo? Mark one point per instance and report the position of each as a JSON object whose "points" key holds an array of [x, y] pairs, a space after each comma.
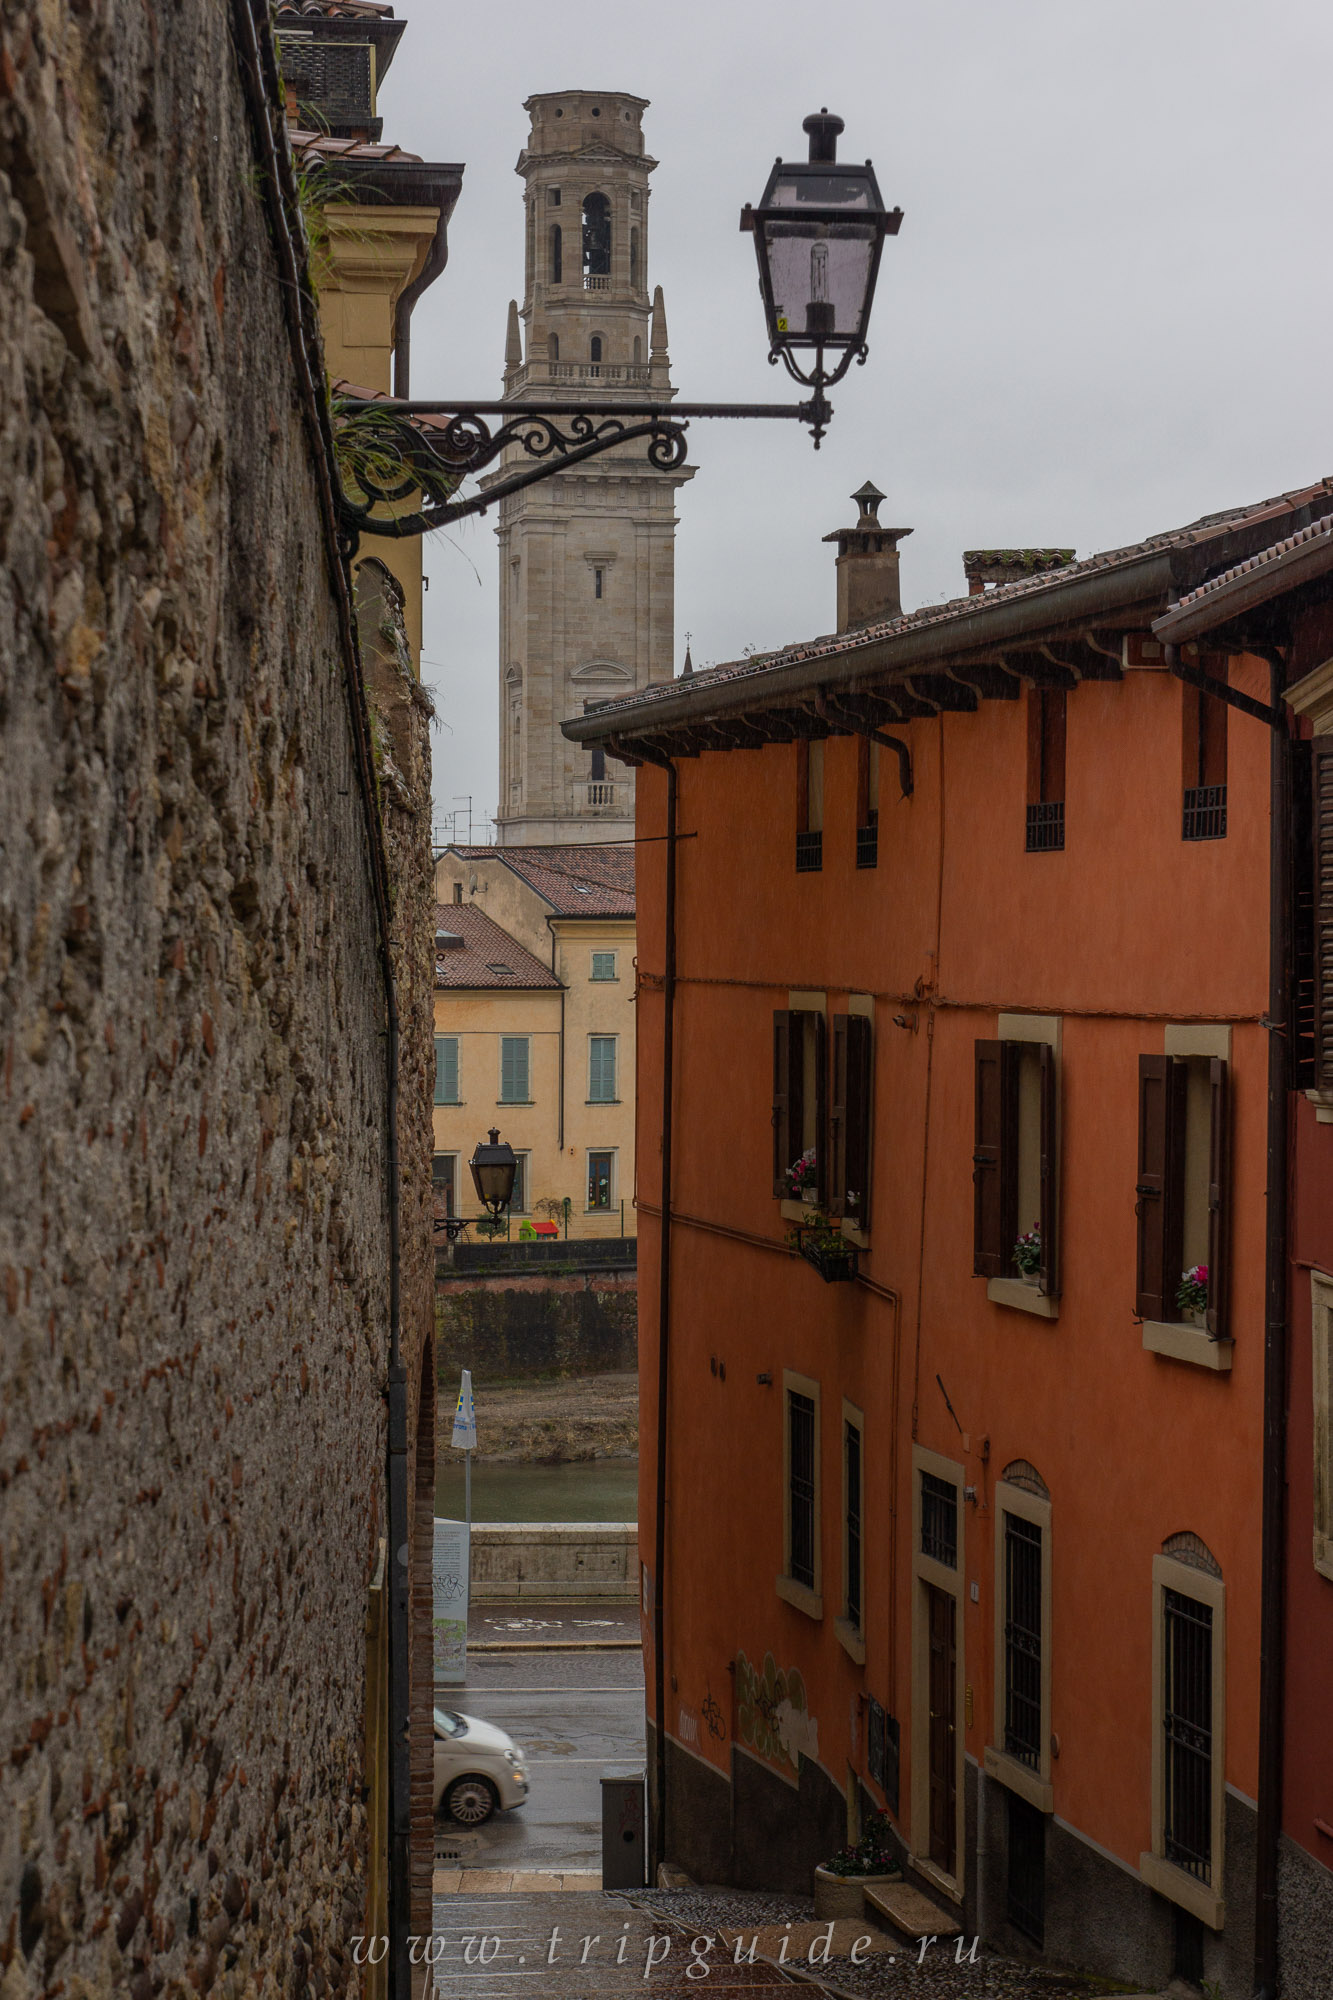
{"points": [[469, 1801]]}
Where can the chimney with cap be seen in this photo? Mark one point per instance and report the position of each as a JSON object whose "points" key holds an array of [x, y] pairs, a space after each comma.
{"points": [[867, 565]]}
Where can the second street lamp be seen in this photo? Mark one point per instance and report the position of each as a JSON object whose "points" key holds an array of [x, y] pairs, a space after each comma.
{"points": [[493, 1167], [818, 231]]}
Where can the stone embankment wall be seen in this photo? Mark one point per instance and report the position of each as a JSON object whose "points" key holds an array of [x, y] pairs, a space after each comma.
{"points": [[546, 1562], [530, 1309], [193, 1241]]}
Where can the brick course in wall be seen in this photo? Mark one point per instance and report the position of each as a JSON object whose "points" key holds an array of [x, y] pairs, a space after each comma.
{"points": [[193, 1148]]}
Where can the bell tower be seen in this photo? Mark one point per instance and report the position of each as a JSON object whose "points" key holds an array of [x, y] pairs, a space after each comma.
{"points": [[587, 559]]}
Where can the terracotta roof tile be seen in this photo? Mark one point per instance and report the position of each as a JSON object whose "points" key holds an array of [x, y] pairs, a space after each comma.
{"points": [[487, 957], [576, 881], [1318, 531], [959, 609], [325, 146]]}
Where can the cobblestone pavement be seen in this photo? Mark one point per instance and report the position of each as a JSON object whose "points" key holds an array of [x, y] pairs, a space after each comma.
{"points": [[522, 1945]]}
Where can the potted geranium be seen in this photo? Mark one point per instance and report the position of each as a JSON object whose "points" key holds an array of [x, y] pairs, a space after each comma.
{"points": [[1027, 1255], [1192, 1296], [842, 1880], [800, 1178]]}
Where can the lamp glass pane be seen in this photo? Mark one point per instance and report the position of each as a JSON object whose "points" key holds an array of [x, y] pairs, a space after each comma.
{"points": [[794, 188], [820, 272]]}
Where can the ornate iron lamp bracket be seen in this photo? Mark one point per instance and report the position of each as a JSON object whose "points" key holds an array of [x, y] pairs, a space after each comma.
{"points": [[400, 464]]}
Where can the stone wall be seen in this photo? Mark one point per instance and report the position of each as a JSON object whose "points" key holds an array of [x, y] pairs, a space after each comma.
{"points": [[575, 1312], [193, 1232]]}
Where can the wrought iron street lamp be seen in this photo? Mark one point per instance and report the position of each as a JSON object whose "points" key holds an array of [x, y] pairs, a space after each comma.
{"points": [[493, 1167], [818, 232]]}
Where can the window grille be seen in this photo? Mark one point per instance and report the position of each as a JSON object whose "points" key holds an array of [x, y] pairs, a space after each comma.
{"points": [[1027, 1870], [809, 853], [867, 846], [852, 1452], [1046, 828], [1022, 1640], [601, 1069], [513, 1069], [331, 78], [801, 1493], [446, 1069], [1205, 816], [1187, 1725], [939, 1520]]}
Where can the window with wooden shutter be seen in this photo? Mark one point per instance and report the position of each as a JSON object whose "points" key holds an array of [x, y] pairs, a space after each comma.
{"points": [[1321, 813], [800, 1100], [994, 1158], [514, 1069], [446, 1069], [850, 1119], [1219, 1178], [1048, 1271], [1162, 1084], [601, 1069]]}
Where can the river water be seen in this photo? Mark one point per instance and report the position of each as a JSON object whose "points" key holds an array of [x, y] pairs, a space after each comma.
{"points": [[598, 1489]]}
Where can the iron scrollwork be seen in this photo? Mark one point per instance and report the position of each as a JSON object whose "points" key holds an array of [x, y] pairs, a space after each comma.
{"points": [[400, 468]]}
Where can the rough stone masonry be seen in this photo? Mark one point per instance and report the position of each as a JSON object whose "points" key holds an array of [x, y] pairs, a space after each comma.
{"points": [[193, 1150]]}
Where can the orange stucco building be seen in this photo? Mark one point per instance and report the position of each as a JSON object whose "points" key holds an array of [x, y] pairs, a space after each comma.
{"points": [[953, 1505]]}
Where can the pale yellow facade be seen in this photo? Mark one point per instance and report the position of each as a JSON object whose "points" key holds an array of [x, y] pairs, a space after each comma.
{"points": [[574, 1131]]}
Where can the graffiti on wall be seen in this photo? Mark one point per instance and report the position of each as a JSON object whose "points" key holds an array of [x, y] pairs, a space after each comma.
{"points": [[772, 1717]]}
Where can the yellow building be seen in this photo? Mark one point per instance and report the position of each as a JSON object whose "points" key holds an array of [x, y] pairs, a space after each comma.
{"points": [[385, 218], [534, 1031]]}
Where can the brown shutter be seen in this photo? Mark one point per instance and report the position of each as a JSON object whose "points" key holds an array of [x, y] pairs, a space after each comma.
{"points": [[859, 1114], [782, 1127], [821, 1106], [1219, 1188], [837, 1175], [1322, 817], [1161, 1153], [994, 1180], [1048, 1274]]}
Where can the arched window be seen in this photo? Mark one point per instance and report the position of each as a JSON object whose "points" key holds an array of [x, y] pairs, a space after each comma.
{"points": [[555, 253], [634, 259], [595, 348], [553, 346], [638, 352], [597, 237]]}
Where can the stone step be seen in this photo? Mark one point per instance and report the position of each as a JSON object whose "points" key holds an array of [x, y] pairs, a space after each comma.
{"points": [[906, 1910]]}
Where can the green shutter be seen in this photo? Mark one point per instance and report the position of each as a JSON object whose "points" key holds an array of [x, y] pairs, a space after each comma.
{"points": [[446, 1069], [514, 1069], [602, 1069]]}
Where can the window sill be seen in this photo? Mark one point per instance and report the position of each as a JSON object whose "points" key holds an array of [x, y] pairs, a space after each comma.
{"points": [[1019, 1778], [852, 1640], [797, 1211], [1178, 1887], [1187, 1343], [1016, 1292], [855, 1234], [1322, 1101], [593, 1102], [514, 1103], [799, 1597]]}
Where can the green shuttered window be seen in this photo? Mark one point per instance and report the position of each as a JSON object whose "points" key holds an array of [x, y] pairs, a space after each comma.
{"points": [[446, 1069], [514, 1081], [601, 1069]]}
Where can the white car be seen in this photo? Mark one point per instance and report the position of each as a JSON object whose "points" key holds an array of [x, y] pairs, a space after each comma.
{"points": [[477, 1768]]}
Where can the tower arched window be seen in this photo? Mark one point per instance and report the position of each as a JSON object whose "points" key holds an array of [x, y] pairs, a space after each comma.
{"points": [[638, 352], [595, 348], [553, 346], [596, 237], [555, 253], [634, 259]]}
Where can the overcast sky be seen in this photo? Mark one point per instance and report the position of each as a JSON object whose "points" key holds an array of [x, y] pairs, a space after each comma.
{"points": [[1107, 313]]}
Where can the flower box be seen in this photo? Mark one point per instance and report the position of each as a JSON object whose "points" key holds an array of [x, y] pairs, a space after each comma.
{"points": [[831, 1255], [845, 1895]]}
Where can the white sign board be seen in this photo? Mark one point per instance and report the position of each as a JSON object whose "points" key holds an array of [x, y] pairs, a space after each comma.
{"points": [[450, 1575]]}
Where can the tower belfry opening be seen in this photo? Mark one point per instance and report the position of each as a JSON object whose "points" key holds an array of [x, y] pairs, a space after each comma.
{"points": [[587, 611]]}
